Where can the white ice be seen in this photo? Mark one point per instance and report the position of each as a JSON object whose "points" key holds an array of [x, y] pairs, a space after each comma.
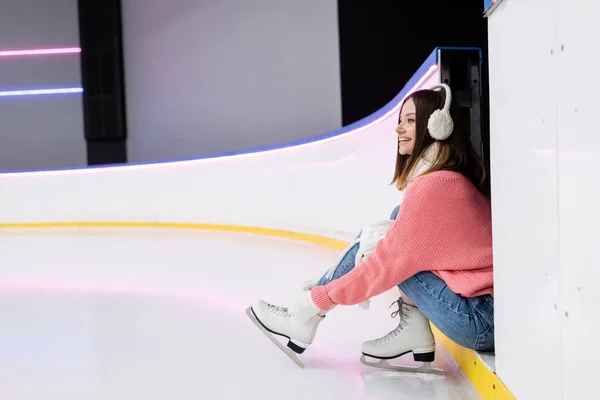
{"points": [[159, 314]]}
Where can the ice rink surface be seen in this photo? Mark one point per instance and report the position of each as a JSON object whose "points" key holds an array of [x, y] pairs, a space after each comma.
{"points": [[160, 314]]}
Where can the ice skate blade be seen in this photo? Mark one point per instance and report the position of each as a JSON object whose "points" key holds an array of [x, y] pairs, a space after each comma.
{"points": [[425, 368], [291, 354]]}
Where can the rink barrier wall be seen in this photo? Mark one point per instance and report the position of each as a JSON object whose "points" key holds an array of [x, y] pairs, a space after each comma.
{"points": [[485, 381]]}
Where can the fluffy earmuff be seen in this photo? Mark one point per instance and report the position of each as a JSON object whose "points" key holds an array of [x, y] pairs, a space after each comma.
{"points": [[440, 124]]}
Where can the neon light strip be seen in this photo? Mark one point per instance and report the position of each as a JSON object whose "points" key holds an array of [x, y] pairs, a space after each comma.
{"points": [[38, 52], [40, 91]]}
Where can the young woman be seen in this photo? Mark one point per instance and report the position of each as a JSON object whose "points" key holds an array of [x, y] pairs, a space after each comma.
{"points": [[437, 248]]}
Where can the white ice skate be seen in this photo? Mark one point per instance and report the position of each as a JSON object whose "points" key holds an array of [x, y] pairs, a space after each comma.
{"points": [[413, 334], [298, 324]]}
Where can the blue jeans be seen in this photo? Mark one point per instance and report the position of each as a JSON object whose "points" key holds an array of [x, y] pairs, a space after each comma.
{"points": [[468, 321]]}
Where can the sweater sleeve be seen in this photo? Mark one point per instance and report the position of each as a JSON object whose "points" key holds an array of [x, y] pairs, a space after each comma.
{"points": [[396, 257]]}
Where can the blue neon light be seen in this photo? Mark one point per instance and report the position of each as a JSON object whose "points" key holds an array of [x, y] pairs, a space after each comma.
{"points": [[34, 92]]}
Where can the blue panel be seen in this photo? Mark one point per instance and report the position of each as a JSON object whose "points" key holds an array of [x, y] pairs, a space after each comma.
{"points": [[431, 60], [487, 4]]}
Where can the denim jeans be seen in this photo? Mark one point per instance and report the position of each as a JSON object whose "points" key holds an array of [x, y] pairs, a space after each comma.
{"points": [[468, 321]]}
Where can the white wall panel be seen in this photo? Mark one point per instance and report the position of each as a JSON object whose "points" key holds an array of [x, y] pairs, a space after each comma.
{"points": [[524, 197], [545, 160], [577, 32]]}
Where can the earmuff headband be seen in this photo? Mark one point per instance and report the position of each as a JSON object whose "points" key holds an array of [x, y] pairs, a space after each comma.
{"points": [[440, 124]]}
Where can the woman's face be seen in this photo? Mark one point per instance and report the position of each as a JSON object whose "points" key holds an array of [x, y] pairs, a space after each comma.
{"points": [[406, 128]]}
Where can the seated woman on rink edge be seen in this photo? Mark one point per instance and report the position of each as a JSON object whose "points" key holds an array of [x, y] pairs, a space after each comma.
{"points": [[437, 247]]}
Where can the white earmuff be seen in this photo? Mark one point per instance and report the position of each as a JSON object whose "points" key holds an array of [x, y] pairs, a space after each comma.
{"points": [[440, 124]]}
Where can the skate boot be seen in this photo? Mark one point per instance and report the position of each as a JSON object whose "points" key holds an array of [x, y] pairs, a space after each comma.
{"points": [[413, 335], [298, 324]]}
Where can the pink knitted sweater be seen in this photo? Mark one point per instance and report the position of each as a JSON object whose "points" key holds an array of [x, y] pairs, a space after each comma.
{"points": [[444, 226]]}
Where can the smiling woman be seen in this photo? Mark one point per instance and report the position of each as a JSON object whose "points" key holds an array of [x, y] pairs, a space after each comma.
{"points": [[436, 248]]}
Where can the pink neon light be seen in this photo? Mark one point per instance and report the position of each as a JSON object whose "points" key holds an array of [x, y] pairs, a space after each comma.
{"points": [[38, 52]]}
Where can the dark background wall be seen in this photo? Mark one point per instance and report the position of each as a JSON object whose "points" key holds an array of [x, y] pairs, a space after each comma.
{"points": [[382, 43]]}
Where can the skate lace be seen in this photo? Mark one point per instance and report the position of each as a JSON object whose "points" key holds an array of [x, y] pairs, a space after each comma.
{"points": [[277, 310], [401, 311]]}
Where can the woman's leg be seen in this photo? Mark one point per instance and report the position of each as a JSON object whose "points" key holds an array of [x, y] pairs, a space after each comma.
{"points": [[343, 265], [468, 322], [346, 262], [395, 212]]}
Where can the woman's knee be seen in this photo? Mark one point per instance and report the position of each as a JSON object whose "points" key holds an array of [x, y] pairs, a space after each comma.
{"points": [[395, 212]]}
